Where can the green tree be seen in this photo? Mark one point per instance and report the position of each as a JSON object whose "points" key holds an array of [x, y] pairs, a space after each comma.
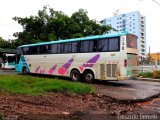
{"points": [[4, 43], [49, 25]]}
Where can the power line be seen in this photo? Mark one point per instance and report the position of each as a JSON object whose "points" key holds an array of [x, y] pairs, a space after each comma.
{"points": [[156, 2]]}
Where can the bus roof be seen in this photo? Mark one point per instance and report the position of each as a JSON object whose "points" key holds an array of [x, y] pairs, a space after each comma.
{"points": [[77, 39]]}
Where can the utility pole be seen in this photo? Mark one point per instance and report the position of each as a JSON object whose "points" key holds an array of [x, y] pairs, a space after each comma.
{"points": [[158, 57], [149, 55]]}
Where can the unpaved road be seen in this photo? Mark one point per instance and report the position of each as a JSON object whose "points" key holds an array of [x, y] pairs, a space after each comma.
{"points": [[113, 100], [65, 106]]}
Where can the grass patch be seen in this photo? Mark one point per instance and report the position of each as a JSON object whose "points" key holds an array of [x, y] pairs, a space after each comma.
{"points": [[20, 84]]}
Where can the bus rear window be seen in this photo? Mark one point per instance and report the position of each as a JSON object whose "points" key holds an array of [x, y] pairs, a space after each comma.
{"points": [[132, 41]]}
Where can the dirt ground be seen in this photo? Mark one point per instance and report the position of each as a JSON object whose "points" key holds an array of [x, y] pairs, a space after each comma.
{"points": [[64, 106]]}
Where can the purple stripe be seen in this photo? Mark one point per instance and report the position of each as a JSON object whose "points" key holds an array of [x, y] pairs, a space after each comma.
{"points": [[67, 65], [92, 61]]}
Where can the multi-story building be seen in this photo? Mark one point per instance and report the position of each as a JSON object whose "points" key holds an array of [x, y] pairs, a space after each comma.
{"points": [[134, 23]]}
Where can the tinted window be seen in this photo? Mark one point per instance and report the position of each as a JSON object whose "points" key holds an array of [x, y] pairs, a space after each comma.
{"points": [[86, 46], [54, 48], [26, 50], [67, 48], [34, 50], [18, 55], [114, 44], [60, 48], [11, 59], [45, 49], [74, 47], [103, 45]]}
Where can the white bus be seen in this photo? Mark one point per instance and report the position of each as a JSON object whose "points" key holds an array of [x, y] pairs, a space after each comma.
{"points": [[103, 57], [8, 61]]}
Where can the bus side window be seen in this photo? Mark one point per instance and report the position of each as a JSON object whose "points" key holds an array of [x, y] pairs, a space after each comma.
{"points": [[86, 46], [34, 50], [114, 44], [44, 49], [54, 48], [67, 48], [25, 50], [59, 48], [74, 47], [95, 46], [103, 45]]}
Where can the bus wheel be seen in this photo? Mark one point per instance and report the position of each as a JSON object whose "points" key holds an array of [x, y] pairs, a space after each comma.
{"points": [[88, 76], [75, 75], [24, 71]]}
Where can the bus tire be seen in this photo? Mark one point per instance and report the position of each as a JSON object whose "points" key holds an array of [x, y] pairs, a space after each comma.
{"points": [[88, 76], [75, 75], [24, 70]]}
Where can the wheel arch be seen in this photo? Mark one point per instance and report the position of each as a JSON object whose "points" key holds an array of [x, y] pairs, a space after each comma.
{"points": [[25, 66], [74, 69], [87, 69]]}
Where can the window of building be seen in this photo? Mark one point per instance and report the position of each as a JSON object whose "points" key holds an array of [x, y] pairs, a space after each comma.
{"points": [[123, 15]]}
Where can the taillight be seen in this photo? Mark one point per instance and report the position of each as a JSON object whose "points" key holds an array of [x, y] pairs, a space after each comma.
{"points": [[125, 63]]}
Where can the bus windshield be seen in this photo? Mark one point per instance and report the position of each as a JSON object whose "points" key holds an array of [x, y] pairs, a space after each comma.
{"points": [[8, 58]]}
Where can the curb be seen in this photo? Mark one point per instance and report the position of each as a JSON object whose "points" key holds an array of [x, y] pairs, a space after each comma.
{"points": [[148, 79], [128, 101]]}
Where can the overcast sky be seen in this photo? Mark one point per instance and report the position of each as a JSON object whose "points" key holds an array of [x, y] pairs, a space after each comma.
{"points": [[97, 9]]}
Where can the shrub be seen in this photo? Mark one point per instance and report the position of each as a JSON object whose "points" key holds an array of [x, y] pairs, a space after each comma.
{"points": [[146, 74], [156, 74], [133, 77]]}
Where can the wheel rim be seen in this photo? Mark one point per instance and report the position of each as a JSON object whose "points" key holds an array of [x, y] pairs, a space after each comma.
{"points": [[89, 77], [75, 76], [25, 71]]}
